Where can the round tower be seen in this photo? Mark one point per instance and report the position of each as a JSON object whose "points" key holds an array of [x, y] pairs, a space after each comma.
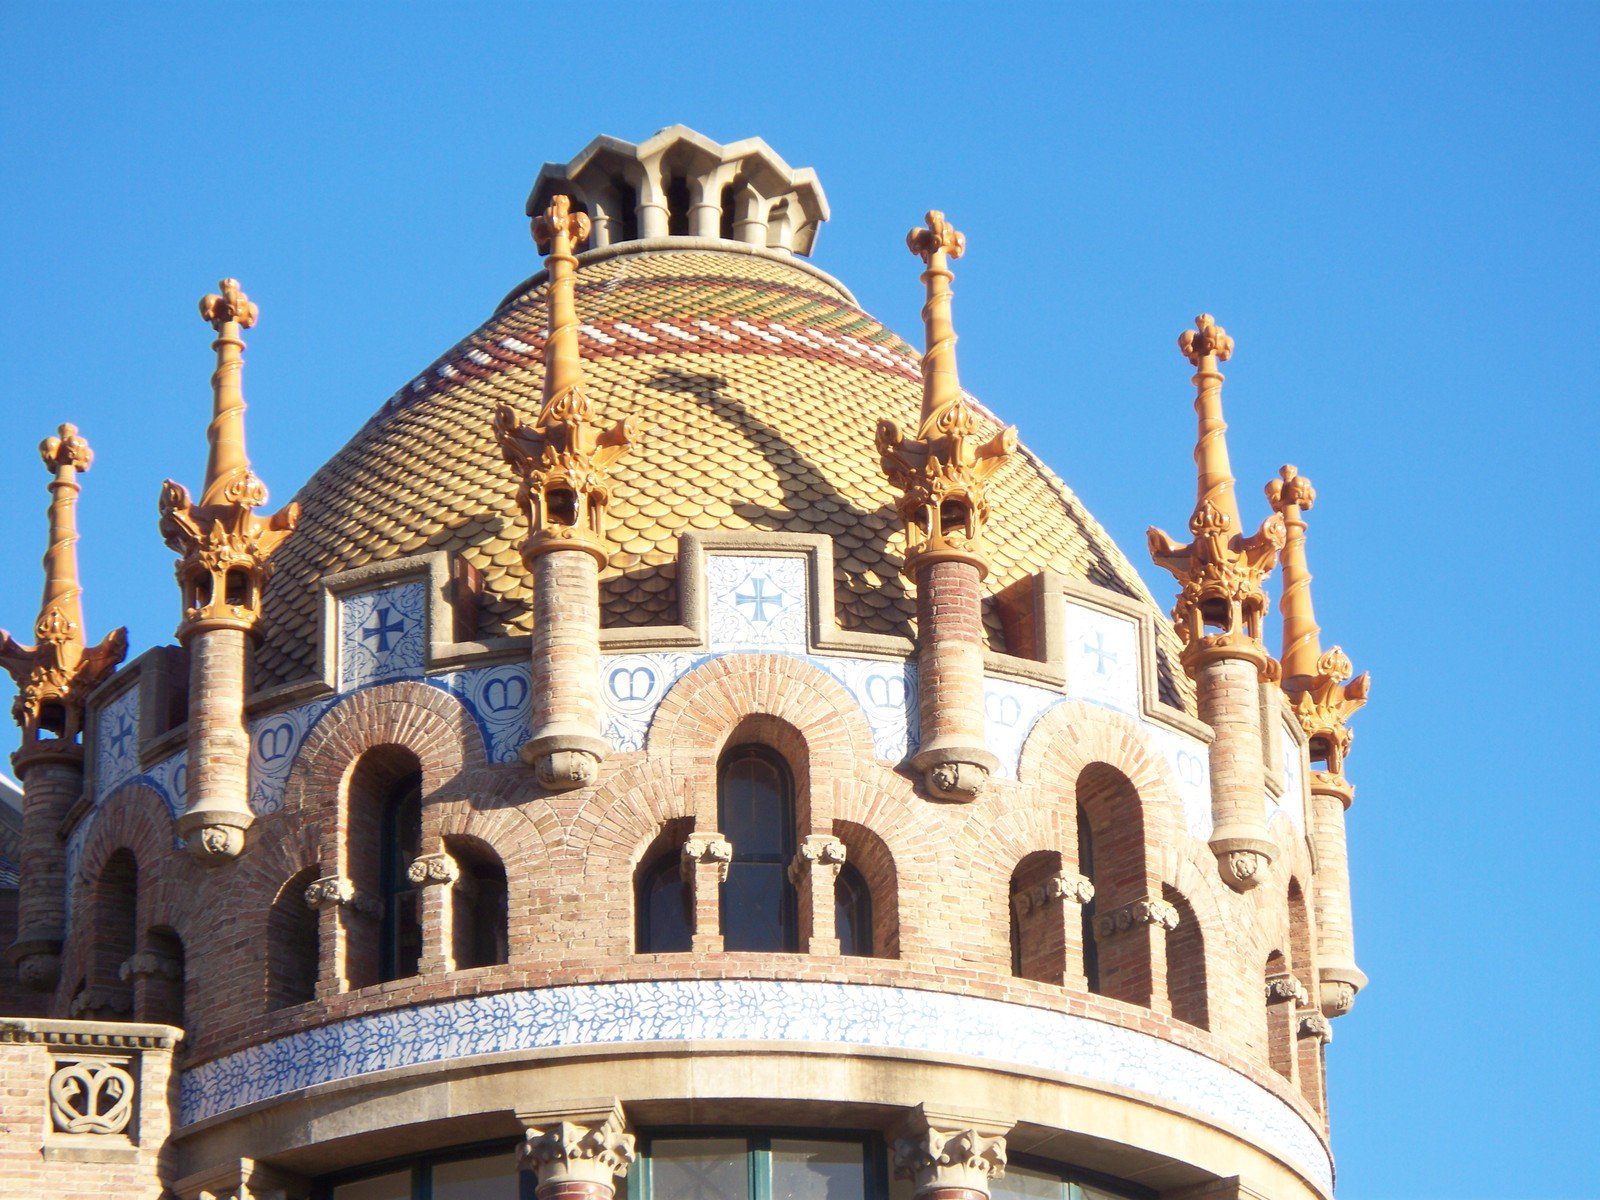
{"points": [[683, 746]]}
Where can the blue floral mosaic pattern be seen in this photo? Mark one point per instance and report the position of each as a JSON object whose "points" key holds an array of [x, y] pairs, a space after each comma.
{"points": [[274, 745], [764, 1011], [383, 635], [116, 756], [500, 700]]}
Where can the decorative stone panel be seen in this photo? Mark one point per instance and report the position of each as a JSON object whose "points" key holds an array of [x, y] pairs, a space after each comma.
{"points": [[383, 634]]}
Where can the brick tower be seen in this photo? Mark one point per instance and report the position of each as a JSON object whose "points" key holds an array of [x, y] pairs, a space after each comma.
{"points": [[682, 747]]}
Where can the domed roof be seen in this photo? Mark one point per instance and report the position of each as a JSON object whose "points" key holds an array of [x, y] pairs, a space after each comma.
{"points": [[760, 384]]}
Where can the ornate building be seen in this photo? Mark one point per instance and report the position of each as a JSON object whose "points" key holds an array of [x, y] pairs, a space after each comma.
{"points": [[681, 746]]}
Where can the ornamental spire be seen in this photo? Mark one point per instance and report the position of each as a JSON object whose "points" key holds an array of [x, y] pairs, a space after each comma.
{"points": [[56, 675], [1219, 610], [225, 548], [1319, 686], [563, 459], [943, 470]]}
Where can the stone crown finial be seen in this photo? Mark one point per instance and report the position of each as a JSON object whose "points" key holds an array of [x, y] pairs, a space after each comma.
{"points": [[1291, 488], [66, 450], [559, 221], [1206, 340], [934, 235], [232, 306]]}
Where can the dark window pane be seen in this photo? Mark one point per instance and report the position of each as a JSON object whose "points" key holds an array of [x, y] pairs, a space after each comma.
{"points": [[754, 807], [492, 1178], [817, 1171], [699, 1169], [395, 1186], [1026, 1183], [758, 908], [663, 909], [852, 912]]}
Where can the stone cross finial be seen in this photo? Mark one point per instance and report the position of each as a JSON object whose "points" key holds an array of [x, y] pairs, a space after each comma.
{"points": [[1206, 340], [233, 306], [560, 223], [935, 235], [55, 675]]}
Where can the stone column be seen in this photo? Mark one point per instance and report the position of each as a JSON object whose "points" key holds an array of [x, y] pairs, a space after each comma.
{"points": [[1283, 994], [814, 872], [1228, 695], [157, 979], [1132, 941], [576, 1154], [51, 785], [706, 859], [435, 876], [1312, 1035], [216, 812], [1339, 977], [949, 1156], [566, 747], [955, 762], [347, 956]]}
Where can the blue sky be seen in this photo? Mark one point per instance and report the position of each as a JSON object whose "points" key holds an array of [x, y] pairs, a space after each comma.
{"points": [[1383, 204]]}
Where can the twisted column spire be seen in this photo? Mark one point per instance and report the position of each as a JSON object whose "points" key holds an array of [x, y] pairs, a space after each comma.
{"points": [[56, 675], [1221, 571], [1319, 686], [563, 460], [943, 470], [224, 548]]}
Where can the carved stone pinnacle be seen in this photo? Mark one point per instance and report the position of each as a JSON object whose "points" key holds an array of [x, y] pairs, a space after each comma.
{"points": [[557, 220], [937, 234], [1207, 338], [232, 305]]}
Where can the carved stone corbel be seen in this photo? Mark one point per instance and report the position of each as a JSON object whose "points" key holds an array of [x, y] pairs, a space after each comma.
{"points": [[1068, 887], [587, 1146], [1135, 915], [1283, 988], [1315, 1025], [432, 869], [709, 849], [335, 891]]}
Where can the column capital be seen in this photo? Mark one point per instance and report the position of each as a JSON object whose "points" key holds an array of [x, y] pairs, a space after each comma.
{"points": [[710, 849], [587, 1143], [430, 869], [1135, 914], [938, 1149], [334, 891], [817, 850], [1283, 988]]}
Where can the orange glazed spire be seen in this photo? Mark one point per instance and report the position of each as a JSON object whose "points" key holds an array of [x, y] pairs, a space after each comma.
{"points": [[1315, 683], [1220, 608], [224, 548], [56, 675], [943, 470], [563, 459]]}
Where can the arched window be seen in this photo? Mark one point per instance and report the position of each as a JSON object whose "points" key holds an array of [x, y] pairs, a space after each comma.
{"points": [[478, 901], [1091, 948], [400, 934], [292, 944], [116, 929], [162, 975], [852, 912], [1280, 1015], [662, 916], [1038, 923], [755, 812], [1186, 963]]}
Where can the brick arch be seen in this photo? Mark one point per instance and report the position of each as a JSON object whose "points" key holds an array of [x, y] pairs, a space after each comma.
{"points": [[624, 815], [520, 839], [799, 709]]}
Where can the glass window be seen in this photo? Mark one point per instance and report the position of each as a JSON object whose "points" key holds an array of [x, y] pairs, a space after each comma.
{"points": [[699, 1169], [394, 1186], [400, 950], [1026, 1183], [817, 1170], [493, 1178], [755, 812], [852, 912], [662, 907]]}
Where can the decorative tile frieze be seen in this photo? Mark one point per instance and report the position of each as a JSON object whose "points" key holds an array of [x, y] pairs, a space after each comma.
{"points": [[383, 634]]}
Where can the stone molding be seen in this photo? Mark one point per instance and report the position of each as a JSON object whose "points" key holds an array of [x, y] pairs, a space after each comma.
{"points": [[1068, 887], [431, 869], [102, 1035], [148, 964], [1283, 988], [710, 849], [1147, 911], [817, 850], [577, 1145], [334, 891]]}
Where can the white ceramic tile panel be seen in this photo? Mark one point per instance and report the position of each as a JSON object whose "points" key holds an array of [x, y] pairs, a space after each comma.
{"points": [[116, 753], [1102, 658], [756, 603], [382, 635], [756, 1011]]}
